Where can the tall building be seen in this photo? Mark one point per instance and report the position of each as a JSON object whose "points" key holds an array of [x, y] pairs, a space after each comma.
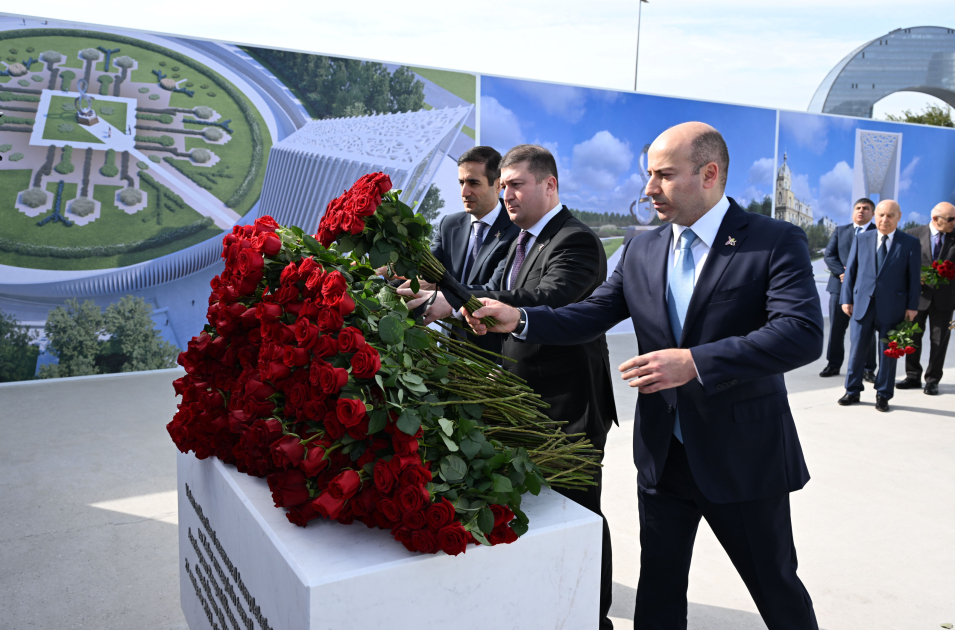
{"points": [[788, 207], [829, 224]]}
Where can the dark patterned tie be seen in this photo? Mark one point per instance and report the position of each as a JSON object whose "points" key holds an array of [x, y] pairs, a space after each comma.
{"points": [[880, 255], [477, 239], [937, 252], [519, 256]]}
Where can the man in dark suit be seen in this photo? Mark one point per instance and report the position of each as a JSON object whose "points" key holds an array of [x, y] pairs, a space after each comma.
{"points": [[473, 244], [881, 288], [723, 303], [556, 260], [937, 240], [837, 253]]}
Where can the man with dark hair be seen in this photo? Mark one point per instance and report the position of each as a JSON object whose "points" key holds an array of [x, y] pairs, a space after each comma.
{"points": [[472, 244], [708, 147], [723, 303], [556, 260], [936, 303], [837, 255]]}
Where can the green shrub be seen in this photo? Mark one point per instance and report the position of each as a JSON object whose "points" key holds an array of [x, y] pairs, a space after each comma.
{"points": [[210, 94], [175, 76], [30, 49], [35, 197], [90, 54], [105, 78], [213, 133], [124, 62], [131, 196], [107, 110], [37, 78], [51, 57], [5, 147], [200, 156], [154, 97], [14, 51], [142, 166], [162, 63], [16, 157], [68, 106], [175, 68], [82, 207], [203, 112], [65, 167], [189, 84], [204, 86], [154, 158], [109, 168], [65, 128], [11, 58], [144, 90], [164, 140], [24, 82]]}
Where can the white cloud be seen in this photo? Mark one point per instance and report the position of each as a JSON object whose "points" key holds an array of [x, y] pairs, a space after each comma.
{"points": [[563, 101], [810, 132], [905, 179], [752, 193], [761, 172], [500, 127], [801, 188], [918, 218], [835, 193], [600, 161]]}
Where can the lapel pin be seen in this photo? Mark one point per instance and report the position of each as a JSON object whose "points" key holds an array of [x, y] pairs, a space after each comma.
{"points": [[731, 242], [541, 248], [498, 235]]}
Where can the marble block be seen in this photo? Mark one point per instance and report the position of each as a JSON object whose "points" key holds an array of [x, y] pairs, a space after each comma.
{"points": [[242, 565]]}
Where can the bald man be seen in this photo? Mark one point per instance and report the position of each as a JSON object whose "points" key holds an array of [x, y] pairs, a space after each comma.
{"points": [[723, 303], [880, 291], [936, 305]]}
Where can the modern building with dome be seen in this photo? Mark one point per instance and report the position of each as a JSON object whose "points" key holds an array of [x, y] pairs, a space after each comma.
{"points": [[917, 59], [788, 208]]}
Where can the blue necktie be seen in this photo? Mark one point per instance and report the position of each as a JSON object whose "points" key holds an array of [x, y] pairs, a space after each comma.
{"points": [[681, 281], [937, 250], [880, 255], [477, 239], [858, 230]]}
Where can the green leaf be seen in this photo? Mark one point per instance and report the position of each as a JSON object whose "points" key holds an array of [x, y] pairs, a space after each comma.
{"points": [[519, 528], [497, 461], [472, 410], [533, 483], [466, 425], [409, 421], [446, 425], [313, 246], [391, 330], [501, 483], [449, 443], [519, 513], [377, 421], [439, 372], [453, 468], [411, 377], [470, 448], [485, 520], [380, 381], [417, 339]]}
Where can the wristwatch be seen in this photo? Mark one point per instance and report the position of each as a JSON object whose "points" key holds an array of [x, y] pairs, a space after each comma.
{"points": [[522, 323]]}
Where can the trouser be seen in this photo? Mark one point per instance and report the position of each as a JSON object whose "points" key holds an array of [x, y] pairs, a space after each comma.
{"points": [[590, 499], [861, 329], [939, 334], [757, 536], [838, 324]]}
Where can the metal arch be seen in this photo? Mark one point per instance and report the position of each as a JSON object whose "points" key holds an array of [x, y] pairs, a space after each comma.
{"points": [[916, 59], [642, 208]]}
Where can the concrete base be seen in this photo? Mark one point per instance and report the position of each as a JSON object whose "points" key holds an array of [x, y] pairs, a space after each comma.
{"points": [[241, 561], [88, 121]]}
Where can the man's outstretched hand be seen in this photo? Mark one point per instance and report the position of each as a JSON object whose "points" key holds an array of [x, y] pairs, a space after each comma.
{"points": [[659, 370], [506, 316], [439, 309]]}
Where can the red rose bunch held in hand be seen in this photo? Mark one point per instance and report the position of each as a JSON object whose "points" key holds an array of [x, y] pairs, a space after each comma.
{"points": [[899, 342], [311, 374]]}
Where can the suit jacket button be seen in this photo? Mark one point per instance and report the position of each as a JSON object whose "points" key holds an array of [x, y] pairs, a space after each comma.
{"points": [[669, 408]]}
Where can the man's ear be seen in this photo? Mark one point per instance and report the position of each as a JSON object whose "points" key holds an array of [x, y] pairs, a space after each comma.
{"points": [[497, 186], [711, 175]]}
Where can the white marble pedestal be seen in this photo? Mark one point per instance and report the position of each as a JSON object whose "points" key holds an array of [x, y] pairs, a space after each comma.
{"points": [[242, 565]]}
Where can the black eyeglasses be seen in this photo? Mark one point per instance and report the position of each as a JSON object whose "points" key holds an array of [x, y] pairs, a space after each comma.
{"points": [[941, 219]]}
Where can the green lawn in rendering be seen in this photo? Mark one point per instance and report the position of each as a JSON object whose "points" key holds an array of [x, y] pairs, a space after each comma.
{"points": [[612, 245], [460, 84]]}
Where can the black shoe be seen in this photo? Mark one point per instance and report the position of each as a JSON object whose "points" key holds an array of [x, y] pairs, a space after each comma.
{"points": [[868, 376], [849, 399], [881, 403], [909, 383], [830, 370], [931, 389]]}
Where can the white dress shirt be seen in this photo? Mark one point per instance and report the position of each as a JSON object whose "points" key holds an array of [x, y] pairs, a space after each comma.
{"points": [[705, 229], [888, 243], [488, 219], [856, 227], [534, 231]]}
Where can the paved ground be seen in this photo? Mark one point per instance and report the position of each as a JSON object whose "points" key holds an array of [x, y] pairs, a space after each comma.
{"points": [[88, 534]]}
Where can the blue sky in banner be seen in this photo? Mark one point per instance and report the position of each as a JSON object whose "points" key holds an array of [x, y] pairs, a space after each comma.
{"points": [[821, 154], [597, 137]]}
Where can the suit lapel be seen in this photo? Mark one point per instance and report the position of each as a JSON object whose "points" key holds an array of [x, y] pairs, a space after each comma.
{"points": [[460, 235], [892, 254], [490, 241], [925, 238], [655, 264], [552, 227]]}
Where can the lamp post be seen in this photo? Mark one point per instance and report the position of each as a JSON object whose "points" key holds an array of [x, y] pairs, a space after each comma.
{"points": [[637, 63]]}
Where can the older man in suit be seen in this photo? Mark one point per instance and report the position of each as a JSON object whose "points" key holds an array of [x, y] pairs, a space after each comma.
{"points": [[937, 240], [723, 303], [880, 290], [837, 253], [556, 260]]}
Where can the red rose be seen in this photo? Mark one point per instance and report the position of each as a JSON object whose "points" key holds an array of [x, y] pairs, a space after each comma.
{"points": [[502, 535], [366, 362], [250, 263], [328, 506], [403, 535], [404, 445], [301, 514], [306, 334], [453, 539], [350, 411], [266, 224], [909, 349], [384, 477], [276, 371], [350, 340], [288, 488], [268, 243], [325, 236], [415, 475], [346, 305], [314, 461], [439, 514], [383, 181], [334, 286], [360, 430], [502, 514], [413, 498], [345, 485], [424, 541], [287, 451], [893, 345], [388, 508], [329, 320], [295, 357], [315, 279], [326, 346], [268, 312]]}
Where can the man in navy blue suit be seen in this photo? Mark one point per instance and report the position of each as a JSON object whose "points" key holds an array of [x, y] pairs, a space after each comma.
{"points": [[723, 303], [881, 289], [837, 255]]}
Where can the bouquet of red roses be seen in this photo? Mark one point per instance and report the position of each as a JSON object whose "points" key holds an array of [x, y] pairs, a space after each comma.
{"points": [[900, 341], [940, 273], [312, 373]]}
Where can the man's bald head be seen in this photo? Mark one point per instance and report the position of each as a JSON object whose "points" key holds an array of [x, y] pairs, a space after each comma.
{"points": [[687, 165], [943, 217], [887, 215]]}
